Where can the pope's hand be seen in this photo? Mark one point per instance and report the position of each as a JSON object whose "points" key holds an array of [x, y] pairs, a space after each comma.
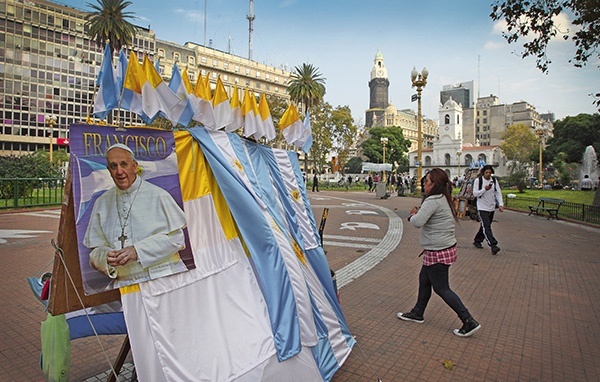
{"points": [[122, 257]]}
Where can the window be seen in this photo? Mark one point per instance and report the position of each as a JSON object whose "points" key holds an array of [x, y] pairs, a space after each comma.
{"points": [[247, 72], [458, 119], [175, 56], [215, 63], [447, 119], [191, 60], [161, 53], [237, 69]]}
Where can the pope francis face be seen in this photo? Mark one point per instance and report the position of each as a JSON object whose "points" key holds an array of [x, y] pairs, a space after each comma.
{"points": [[122, 167]]}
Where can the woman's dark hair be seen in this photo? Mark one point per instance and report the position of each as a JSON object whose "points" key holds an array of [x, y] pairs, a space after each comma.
{"points": [[486, 167], [441, 185]]}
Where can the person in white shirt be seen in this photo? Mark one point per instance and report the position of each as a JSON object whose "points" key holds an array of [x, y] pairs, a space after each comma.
{"points": [[487, 192], [586, 183]]}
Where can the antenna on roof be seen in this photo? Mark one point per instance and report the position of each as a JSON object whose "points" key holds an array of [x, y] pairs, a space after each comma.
{"points": [[250, 16]]}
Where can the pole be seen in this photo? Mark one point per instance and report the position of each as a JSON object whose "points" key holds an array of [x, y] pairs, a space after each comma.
{"points": [[419, 140], [540, 175]]}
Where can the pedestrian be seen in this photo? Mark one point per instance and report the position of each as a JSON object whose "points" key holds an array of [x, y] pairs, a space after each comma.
{"points": [[486, 191], [586, 183], [315, 183], [370, 183], [436, 218]]}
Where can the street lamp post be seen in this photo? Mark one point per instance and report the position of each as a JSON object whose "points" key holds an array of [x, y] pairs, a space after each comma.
{"points": [[541, 132], [458, 154], [384, 142], [419, 80], [51, 122]]}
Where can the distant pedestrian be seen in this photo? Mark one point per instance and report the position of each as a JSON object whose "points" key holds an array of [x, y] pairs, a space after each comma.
{"points": [[315, 183], [370, 183], [586, 183], [436, 218], [486, 191]]}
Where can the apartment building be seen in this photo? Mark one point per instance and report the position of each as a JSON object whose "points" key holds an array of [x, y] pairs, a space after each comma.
{"points": [[49, 66]]}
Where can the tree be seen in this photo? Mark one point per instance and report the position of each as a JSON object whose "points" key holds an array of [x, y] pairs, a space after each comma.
{"points": [[343, 132], [519, 142], [354, 165], [396, 148], [307, 86], [537, 19], [572, 135], [322, 140], [110, 22]]}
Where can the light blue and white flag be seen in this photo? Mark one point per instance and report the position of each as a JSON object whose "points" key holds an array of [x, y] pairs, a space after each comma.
{"points": [[107, 96], [184, 112], [307, 141]]}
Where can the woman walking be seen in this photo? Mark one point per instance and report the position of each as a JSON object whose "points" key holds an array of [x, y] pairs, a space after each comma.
{"points": [[436, 218]]}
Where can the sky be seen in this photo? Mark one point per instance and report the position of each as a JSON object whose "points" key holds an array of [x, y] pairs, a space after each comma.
{"points": [[456, 41]]}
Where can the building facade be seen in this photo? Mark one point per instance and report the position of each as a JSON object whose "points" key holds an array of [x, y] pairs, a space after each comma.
{"points": [[463, 93], [49, 66], [489, 119], [451, 153]]}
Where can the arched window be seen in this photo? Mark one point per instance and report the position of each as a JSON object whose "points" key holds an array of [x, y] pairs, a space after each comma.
{"points": [[447, 119], [447, 159], [468, 159], [458, 119], [427, 160]]}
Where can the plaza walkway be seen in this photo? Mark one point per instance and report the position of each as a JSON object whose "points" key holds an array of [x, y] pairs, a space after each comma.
{"points": [[537, 300]]}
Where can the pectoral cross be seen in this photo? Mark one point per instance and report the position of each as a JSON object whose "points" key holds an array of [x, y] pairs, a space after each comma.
{"points": [[122, 238]]}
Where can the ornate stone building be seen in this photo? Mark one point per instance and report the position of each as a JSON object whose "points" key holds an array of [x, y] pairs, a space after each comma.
{"points": [[382, 113], [451, 153]]}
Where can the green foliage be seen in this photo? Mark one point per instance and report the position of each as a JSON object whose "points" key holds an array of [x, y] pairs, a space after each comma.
{"points": [[517, 179], [396, 148], [519, 143], [535, 21], [307, 85], [343, 132], [565, 173], [322, 139], [354, 165], [109, 21], [572, 135], [34, 165]]}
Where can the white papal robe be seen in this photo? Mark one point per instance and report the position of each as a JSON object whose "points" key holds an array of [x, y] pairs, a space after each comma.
{"points": [[151, 221]]}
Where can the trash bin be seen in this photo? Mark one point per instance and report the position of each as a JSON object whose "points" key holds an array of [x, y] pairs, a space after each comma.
{"points": [[380, 190]]}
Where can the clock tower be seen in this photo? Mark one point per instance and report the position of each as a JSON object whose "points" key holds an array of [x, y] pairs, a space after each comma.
{"points": [[378, 99]]}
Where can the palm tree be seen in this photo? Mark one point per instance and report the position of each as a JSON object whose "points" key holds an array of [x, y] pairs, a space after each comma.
{"points": [[307, 86], [110, 22]]}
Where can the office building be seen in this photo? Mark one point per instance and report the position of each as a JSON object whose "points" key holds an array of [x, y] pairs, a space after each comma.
{"points": [[49, 66]]}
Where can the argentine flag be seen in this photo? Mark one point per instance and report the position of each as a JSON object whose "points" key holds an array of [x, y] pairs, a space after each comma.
{"points": [[107, 96]]}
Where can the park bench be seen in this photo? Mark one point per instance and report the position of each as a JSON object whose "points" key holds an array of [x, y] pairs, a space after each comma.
{"points": [[548, 205]]}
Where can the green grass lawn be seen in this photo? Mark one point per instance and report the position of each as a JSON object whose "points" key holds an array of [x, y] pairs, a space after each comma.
{"points": [[583, 197]]}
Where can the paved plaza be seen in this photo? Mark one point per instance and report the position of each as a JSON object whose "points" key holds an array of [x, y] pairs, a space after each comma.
{"points": [[536, 300]]}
